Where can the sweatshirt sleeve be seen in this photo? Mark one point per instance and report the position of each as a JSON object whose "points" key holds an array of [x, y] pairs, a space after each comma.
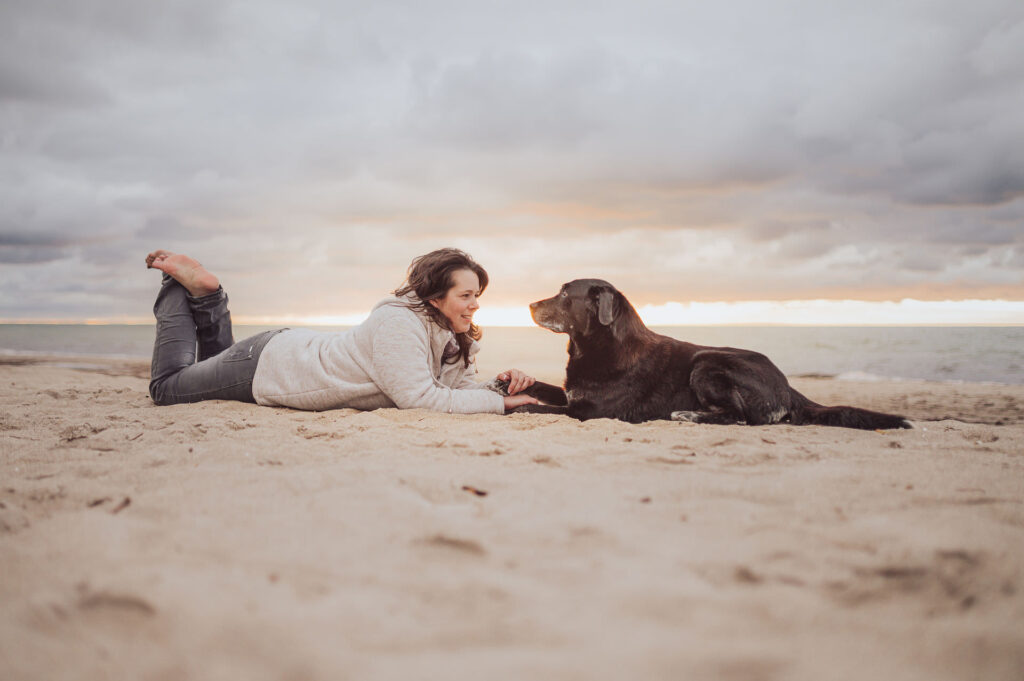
{"points": [[401, 362]]}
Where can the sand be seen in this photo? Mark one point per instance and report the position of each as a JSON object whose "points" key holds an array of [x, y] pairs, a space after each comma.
{"points": [[229, 541]]}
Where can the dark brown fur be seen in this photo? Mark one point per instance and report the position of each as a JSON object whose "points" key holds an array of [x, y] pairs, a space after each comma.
{"points": [[618, 368]]}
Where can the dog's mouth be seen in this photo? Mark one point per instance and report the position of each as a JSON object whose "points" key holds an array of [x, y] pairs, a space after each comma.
{"points": [[543, 319]]}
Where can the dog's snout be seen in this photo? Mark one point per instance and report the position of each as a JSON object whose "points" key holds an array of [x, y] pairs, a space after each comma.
{"points": [[533, 306]]}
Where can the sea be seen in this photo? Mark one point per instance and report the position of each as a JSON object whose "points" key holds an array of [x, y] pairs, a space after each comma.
{"points": [[851, 353]]}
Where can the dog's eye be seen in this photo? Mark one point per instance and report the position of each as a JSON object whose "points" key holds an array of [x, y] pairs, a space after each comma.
{"points": [[564, 294]]}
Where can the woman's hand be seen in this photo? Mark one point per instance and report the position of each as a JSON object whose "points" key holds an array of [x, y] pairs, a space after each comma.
{"points": [[517, 380], [517, 401]]}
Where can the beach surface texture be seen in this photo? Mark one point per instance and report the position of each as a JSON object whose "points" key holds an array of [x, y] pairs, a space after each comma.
{"points": [[224, 540]]}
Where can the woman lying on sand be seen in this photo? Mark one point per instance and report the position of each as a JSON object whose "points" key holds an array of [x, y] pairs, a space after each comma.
{"points": [[414, 351]]}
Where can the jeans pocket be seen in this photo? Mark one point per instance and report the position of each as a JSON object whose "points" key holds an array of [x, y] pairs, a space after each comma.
{"points": [[239, 352]]}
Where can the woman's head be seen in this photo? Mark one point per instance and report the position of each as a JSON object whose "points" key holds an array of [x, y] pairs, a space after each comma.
{"points": [[447, 283], [460, 302]]}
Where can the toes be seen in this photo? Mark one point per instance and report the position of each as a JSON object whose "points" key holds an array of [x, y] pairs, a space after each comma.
{"points": [[689, 416], [162, 263], [156, 255]]}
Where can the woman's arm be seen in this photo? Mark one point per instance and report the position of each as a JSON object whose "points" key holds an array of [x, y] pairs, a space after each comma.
{"points": [[511, 384], [513, 401]]}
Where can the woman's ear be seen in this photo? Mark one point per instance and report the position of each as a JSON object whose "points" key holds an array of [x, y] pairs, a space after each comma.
{"points": [[434, 303]]}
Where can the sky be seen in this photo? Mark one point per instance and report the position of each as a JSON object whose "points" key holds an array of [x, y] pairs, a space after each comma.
{"points": [[760, 161]]}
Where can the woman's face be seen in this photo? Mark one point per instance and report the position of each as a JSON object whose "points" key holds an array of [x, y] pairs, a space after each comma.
{"points": [[459, 304]]}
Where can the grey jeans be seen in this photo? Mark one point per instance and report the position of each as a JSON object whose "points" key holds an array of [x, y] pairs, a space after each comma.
{"points": [[195, 357]]}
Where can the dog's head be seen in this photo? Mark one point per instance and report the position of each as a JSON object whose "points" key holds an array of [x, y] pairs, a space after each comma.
{"points": [[581, 308]]}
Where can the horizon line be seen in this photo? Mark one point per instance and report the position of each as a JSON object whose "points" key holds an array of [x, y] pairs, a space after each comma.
{"points": [[814, 312]]}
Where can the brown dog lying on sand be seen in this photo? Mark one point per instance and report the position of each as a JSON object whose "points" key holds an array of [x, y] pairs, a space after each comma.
{"points": [[618, 368]]}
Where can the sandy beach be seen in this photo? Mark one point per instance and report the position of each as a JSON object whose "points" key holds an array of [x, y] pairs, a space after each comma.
{"points": [[229, 541]]}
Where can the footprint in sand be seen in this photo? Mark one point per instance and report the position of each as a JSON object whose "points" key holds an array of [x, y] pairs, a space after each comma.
{"points": [[69, 394], [80, 432], [949, 581]]}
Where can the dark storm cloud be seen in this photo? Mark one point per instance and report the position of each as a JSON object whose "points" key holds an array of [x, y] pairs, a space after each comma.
{"points": [[12, 238], [28, 254], [331, 141], [18, 83]]}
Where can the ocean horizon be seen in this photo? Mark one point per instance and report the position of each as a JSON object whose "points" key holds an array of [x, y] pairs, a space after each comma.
{"points": [[936, 353]]}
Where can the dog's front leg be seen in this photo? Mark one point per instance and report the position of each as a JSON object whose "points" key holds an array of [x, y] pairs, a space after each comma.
{"points": [[545, 392], [539, 409], [548, 394]]}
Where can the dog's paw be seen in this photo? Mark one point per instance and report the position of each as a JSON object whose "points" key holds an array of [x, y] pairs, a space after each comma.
{"points": [[497, 385], [687, 416]]}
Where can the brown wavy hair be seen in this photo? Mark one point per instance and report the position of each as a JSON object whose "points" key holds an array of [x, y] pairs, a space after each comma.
{"points": [[429, 277]]}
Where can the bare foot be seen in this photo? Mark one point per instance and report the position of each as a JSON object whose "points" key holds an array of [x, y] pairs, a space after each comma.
{"points": [[159, 253], [186, 271]]}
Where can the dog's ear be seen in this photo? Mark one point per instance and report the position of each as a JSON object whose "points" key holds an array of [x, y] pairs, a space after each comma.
{"points": [[605, 307]]}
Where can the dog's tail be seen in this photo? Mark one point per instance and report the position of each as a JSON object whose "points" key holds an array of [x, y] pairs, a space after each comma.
{"points": [[806, 412]]}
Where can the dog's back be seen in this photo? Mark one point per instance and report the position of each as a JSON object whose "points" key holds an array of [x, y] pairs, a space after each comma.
{"points": [[619, 368]]}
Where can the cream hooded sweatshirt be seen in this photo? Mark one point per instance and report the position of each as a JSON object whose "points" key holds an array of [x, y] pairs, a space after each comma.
{"points": [[393, 359]]}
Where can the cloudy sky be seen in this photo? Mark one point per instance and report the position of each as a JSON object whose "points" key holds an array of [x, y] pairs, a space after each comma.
{"points": [[690, 152]]}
